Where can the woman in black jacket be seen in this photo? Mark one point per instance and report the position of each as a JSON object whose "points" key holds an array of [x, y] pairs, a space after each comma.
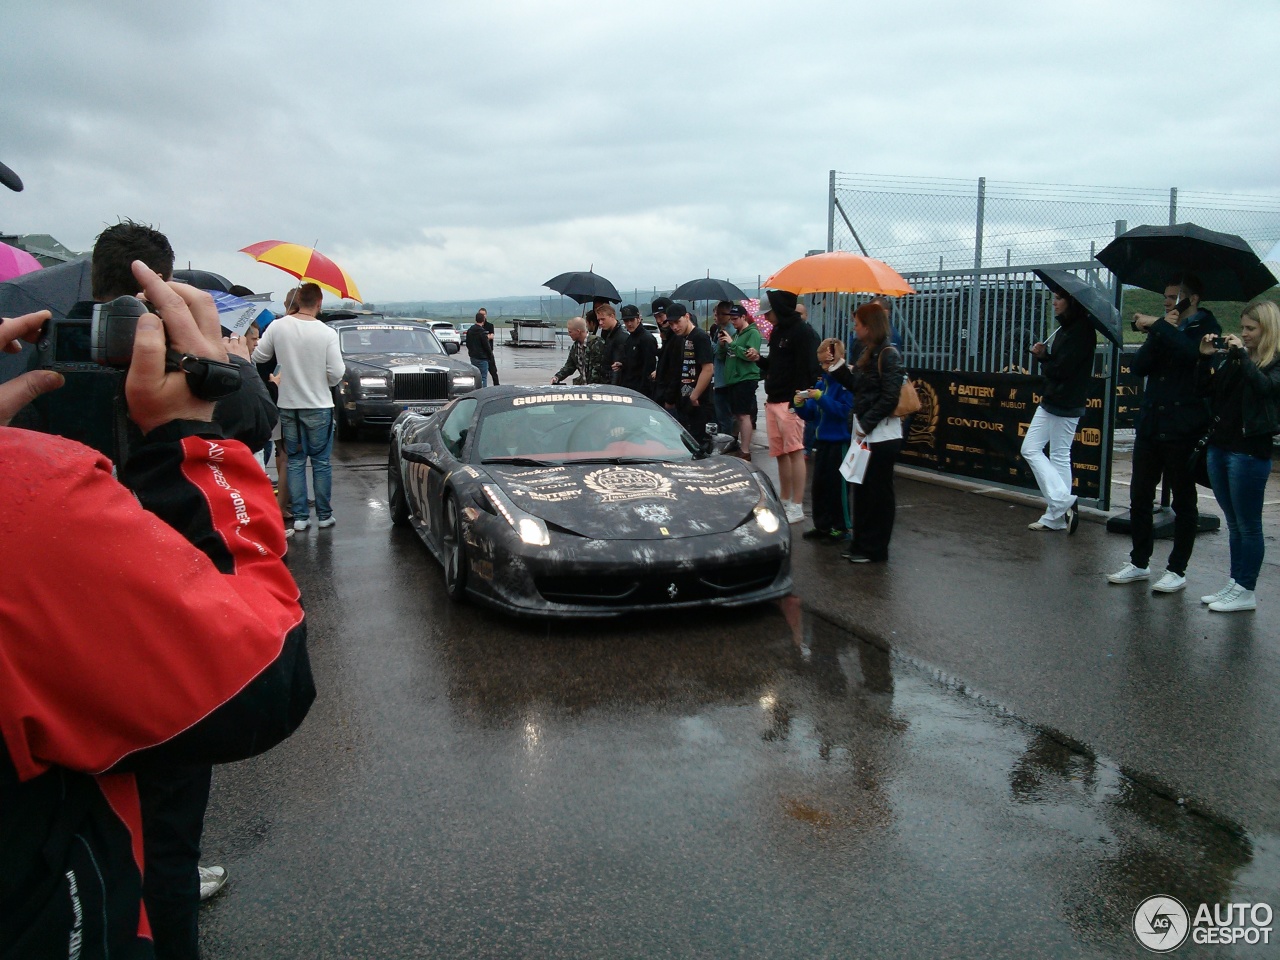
{"points": [[876, 382], [1242, 380], [1066, 363]]}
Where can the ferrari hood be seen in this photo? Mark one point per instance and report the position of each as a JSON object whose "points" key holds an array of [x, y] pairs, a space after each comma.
{"points": [[643, 501]]}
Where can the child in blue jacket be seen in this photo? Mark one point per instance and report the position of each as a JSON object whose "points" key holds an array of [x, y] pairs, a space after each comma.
{"points": [[829, 406]]}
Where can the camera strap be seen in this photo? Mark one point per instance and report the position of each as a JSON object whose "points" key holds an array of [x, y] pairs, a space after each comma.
{"points": [[208, 379]]}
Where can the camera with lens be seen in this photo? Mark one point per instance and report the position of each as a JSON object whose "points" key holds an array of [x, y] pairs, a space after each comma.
{"points": [[81, 344], [1220, 343], [93, 353]]}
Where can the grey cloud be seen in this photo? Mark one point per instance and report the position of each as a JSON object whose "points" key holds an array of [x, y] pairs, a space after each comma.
{"points": [[672, 136]]}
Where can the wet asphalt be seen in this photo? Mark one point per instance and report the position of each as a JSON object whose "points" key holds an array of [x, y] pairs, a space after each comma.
{"points": [[976, 750]]}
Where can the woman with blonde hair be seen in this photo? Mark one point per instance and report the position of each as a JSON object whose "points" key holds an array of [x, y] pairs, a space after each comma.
{"points": [[1241, 376]]}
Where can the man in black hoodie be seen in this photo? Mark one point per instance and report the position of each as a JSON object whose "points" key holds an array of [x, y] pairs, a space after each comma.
{"points": [[480, 349], [792, 365], [639, 354]]}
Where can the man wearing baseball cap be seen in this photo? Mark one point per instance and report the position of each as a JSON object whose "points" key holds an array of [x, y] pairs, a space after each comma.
{"points": [[639, 353]]}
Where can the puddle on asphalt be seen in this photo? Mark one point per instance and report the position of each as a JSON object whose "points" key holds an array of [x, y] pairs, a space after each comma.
{"points": [[1109, 841], [832, 757]]}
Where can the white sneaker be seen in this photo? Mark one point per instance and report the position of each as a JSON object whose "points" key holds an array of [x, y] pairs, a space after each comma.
{"points": [[1129, 573], [1213, 597], [326, 523], [795, 512], [212, 879], [1237, 598], [300, 525], [1170, 583]]}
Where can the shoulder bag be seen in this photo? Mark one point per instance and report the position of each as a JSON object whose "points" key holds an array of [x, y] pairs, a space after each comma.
{"points": [[908, 399]]}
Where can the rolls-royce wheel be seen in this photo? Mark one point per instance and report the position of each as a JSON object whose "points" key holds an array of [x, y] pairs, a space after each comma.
{"points": [[345, 429]]}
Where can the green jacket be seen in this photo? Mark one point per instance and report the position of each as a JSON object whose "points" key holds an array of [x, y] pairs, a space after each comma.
{"points": [[587, 360], [737, 367]]}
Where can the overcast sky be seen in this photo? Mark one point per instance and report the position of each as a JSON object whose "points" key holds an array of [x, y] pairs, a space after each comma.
{"points": [[451, 150]]}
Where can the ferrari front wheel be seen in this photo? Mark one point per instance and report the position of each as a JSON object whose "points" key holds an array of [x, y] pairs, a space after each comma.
{"points": [[396, 500], [455, 551]]}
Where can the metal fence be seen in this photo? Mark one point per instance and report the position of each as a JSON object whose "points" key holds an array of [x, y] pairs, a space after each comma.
{"points": [[936, 224]]}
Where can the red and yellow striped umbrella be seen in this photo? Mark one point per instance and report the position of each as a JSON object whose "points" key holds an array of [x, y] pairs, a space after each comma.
{"points": [[305, 264]]}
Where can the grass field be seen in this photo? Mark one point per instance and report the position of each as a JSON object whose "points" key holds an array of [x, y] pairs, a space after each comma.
{"points": [[1144, 301]]}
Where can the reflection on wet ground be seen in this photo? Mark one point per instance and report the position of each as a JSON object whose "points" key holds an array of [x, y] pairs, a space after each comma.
{"points": [[748, 783]]}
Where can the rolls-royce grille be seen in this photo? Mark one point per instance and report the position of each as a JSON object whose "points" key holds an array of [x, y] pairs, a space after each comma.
{"points": [[432, 385]]}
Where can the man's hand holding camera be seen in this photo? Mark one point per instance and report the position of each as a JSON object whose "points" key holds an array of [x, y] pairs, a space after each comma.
{"points": [[190, 325], [156, 394], [20, 391]]}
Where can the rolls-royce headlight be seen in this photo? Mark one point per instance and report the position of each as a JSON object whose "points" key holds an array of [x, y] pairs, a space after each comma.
{"points": [[373, 382], [531, 530], [466, 383]]}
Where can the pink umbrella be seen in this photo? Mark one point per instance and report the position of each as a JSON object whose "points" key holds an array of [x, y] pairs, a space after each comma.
{"points": [[15, 262], [753, 308]]}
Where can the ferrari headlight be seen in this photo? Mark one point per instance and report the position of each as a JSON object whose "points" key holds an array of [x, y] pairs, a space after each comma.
{"points": [[531, 530], [767, 519]]}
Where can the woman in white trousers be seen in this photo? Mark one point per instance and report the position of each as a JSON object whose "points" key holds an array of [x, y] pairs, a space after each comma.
{"points": [[1066, 363]]}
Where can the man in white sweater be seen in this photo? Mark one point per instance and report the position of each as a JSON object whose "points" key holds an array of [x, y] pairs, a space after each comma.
{"points": [[310, 366]]}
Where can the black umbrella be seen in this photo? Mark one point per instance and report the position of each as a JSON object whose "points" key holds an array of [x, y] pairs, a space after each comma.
{"points": [[57, 289], [203, 280], [707, 288], [584, 286], [1104, 316], [10, 179], [1154, 257]]}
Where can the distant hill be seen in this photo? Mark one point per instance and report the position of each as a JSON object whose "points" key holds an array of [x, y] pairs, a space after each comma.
{"points": [[552, 307], [548, 307]]}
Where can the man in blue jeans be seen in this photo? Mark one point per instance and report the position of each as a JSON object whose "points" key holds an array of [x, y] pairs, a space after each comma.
{"points": [[310, 366], [480, 348]]}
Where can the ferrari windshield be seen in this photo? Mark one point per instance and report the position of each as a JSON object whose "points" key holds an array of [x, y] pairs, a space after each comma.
{"points": [[387, 338], [553, 427]]}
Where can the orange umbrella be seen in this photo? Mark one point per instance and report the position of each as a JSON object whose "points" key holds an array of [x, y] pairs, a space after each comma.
{"points": [[839, 272], [305, 264]]}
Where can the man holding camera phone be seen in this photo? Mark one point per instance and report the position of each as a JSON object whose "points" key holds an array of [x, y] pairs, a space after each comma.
{"points": [[146, 628], [1171, 419]]}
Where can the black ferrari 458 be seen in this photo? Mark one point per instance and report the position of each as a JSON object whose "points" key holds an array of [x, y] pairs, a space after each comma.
{"points": [[584, 501]]}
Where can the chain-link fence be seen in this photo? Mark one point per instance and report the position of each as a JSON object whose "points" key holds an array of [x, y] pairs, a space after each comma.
{"points": [[934, 224]]}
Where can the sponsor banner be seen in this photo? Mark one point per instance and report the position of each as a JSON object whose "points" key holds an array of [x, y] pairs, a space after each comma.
{"points": [[1128, 392], [972, 425]]}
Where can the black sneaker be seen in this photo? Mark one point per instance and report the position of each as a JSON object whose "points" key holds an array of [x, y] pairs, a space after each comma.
{"points": [[814, 534], [1072, 518], [856, 557]]}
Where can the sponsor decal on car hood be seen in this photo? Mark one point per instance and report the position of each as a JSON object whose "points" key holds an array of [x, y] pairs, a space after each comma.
{"points": [[642, 501]]}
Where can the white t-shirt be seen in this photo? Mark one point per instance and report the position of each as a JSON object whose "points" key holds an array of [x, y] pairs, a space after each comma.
{"points": [[309, 357]]}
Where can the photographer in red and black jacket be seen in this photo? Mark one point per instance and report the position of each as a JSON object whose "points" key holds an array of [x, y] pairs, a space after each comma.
{"points": [[144, 627]]}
